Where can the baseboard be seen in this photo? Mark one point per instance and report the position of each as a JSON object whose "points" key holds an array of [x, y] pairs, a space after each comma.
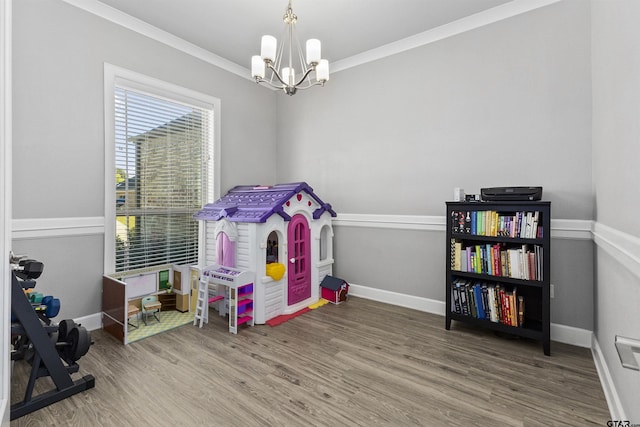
{"points": [[571, 335], [91, 322], [559, 333], [417, 303], [608, 385]]}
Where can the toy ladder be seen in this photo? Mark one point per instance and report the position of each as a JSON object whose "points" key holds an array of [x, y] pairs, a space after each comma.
{"points": [[202, 305]]}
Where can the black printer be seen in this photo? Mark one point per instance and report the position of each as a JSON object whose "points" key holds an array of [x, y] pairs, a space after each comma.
{"points": [[501, 194]]}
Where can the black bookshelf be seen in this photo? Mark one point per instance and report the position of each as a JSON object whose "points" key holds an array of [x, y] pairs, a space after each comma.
{"points": [[490, 257]]}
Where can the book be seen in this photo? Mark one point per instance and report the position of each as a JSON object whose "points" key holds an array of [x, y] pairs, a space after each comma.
{"points": [[520, 310], [455, 297], [491, 296], [464, 304], [474, 222], [477, 292], [513, 305], [471, 300], [452, 247]]}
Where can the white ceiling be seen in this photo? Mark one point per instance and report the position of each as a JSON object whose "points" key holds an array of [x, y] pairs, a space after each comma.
{"points": [[232, 28]]}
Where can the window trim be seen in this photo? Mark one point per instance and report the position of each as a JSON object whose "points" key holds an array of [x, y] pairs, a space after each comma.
{"points": [[118, 76]]}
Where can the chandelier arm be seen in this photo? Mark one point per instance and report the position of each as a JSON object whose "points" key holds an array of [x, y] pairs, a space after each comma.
{"points": [[305, 77], [311, 85], [275, 72], [267, 82]]}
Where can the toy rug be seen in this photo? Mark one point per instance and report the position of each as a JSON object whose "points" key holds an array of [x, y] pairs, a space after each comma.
{"points": [[285, 317], [168, 320]]}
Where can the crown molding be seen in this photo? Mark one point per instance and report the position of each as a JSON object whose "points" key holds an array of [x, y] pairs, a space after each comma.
{"points": [[487, 17], [480, 19], [134, 24]]}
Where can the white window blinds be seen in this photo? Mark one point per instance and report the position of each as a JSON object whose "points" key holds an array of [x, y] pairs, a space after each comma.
{"points": [[162, 177]]}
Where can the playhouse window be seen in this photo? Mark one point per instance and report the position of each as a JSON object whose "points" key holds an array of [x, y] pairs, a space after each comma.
{"points": [[272, 247], [324, 243], [225, 250]]}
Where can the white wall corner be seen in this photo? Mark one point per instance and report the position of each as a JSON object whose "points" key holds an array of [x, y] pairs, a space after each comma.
{"points": [[608, 385]]}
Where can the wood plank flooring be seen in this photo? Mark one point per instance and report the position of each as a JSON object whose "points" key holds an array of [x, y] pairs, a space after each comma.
{"points": [[361, 363]]}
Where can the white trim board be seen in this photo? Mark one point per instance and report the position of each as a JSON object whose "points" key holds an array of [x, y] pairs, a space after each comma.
{"points": [[6, 153], [33, 228], [620, 245], [559, 333], [134, 24], [575, 229], [487, 17], [608, 385], [92, 322]]}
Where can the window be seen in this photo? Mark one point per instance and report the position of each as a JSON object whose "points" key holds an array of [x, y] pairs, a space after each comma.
{"points": [[161, 172], [325, 242], [272, 248]]}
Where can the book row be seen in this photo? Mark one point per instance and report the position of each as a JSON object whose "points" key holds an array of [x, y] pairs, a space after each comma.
{"points": [[487, 301], [524, 225], [519, 262]]}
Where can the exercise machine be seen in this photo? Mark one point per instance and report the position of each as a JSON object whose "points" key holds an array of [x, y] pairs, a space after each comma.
{"points": [[52, 350]]}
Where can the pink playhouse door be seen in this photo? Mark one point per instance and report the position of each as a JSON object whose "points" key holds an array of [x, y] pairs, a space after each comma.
{"points": [[299, 254]]}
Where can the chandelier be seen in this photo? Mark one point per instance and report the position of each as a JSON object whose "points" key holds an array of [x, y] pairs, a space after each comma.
{"points": [[280, 60]]}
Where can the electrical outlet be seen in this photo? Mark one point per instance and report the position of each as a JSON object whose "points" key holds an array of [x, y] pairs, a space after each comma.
{"points": [[552, 290]]}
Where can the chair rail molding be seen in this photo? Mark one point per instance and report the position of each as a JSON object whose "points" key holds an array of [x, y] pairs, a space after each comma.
{"points": [[574, 229], [622, 246], [35, 228]]}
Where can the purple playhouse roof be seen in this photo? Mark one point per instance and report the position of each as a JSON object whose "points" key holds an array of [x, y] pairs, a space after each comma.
{"points": [[248, 203]]}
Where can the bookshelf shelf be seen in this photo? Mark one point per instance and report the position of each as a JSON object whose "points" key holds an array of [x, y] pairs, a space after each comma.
{"points": [[498, 266]]}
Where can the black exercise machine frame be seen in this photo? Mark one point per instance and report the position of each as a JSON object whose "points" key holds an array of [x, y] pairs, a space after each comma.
{"points": [[46, 361]]}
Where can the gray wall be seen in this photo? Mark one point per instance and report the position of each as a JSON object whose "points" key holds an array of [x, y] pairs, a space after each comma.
{"points": [[58, 132], [505, 104], [616, 150]]}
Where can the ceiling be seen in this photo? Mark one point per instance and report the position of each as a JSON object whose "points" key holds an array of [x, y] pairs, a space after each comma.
{"points": [[232, 29]]}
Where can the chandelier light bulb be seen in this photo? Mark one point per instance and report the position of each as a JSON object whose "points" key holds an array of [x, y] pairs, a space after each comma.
{"points": [[257, 67], [289, 76], [313, 51], [268, 48], [322, 71]]}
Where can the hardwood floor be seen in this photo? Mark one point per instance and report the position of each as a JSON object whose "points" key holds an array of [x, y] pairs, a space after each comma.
{"points": [[360, 363]]}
